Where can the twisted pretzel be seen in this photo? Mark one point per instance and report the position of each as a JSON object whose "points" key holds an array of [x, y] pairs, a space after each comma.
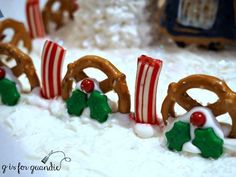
{"points": [[177, 94], [57, 17], [24, 63], [116, 80], [20, 33]]}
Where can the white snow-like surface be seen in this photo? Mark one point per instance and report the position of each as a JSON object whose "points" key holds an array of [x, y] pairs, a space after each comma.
{"points": [[112, 149]]}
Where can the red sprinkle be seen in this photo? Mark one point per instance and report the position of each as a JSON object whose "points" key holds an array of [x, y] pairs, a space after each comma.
{"points": [[2, 73], [198, 119], [87, 85]]}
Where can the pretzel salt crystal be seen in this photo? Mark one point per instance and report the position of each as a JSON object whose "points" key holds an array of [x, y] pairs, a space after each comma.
{"points": [[24, 63], [116, 80], [49, 15], [20, 33], [177, 94]]}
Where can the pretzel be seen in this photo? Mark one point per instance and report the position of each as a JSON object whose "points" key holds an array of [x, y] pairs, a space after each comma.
{"points": [[116, 80], [20, 33], [177, 94], [23, 61], [57, 17]]}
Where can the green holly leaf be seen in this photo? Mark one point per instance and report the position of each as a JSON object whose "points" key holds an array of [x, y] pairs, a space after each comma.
{"points": [[178, 135], [99, 108], [9, 93], [76, 103], [208, 142]]}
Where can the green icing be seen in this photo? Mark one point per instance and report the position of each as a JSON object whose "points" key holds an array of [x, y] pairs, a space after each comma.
{"points": [[99, 108], [76, 103], [8, 92], [178, 135], [208, 142]]}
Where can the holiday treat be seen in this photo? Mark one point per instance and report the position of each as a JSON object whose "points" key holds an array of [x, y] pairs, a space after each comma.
{"points": [[57, 16], [52, 59], [197, 132], [24, 64], [177, 93], [34, 19], [89, 95], [146, 87], [115, 81], [20, 33], [68, 112]]}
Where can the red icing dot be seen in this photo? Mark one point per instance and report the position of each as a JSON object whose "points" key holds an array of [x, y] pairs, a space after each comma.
{"points": [[198, 119], [2, 73], [87, 85]]}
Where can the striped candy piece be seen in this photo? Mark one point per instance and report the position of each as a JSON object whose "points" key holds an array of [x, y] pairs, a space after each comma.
{"points": [[145, 91], [52, 58], [34, 19]]}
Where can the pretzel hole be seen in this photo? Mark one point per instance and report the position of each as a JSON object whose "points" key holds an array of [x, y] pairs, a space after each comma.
{"points": [[56, 6], [26, 87], [203, 96], [7, 61], [112, 100], [21, 46], [51, 26], [66, 16], [9, 32], [225, 122], [179, 110], [73, 85], [95, 73]]}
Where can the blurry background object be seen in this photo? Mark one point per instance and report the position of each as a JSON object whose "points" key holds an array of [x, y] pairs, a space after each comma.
{"points": [[208, 23]]}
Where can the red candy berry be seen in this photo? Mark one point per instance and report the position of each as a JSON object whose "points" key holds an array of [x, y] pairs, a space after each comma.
{"points": [[2, 73], [87, 85], [198, 119]]}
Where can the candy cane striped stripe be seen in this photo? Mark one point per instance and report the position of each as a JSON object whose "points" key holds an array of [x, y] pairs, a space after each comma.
{"points": [[145, 92], [34, 19], [52, 58]]}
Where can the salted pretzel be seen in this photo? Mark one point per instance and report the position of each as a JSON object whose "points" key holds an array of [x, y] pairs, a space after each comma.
{"points": [[116, 80], [56, 17], [177, 94], [24, 63], [20, 33]]}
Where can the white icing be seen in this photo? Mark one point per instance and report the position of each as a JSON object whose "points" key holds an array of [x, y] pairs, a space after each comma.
{"points": [[221, 130], [113, 105], [96, 85], [144, 130], [189, 147], [211, 121], [9, 75]]}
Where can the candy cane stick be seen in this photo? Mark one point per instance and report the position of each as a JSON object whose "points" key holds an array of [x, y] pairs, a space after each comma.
{"points": [[52, 58], [34, 19], [145, 92]]}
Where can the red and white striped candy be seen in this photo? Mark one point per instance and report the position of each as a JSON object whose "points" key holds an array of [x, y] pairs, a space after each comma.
{"points": [[52, 58], [145, 91], [34, 19]]}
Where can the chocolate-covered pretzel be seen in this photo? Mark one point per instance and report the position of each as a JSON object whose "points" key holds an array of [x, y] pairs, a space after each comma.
{"points": [[177, 93], [116, 80]]}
